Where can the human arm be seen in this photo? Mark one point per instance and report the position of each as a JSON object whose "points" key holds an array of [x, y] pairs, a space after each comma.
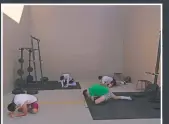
{"points": [[62, 83], [104, 83], [67, 80], [24, 111], [11, 114]]}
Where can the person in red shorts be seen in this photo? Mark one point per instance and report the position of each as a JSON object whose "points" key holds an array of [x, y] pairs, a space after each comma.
{"points": [[22, 104]]}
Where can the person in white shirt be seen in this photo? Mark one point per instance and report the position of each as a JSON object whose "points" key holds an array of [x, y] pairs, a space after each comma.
{"points": [[23, 103], [106, 80], [67, 80]]}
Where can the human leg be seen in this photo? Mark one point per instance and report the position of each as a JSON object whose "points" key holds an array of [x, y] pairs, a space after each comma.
{"points": [[100, 100], [86, 95], [111, 84], [62, 83], [72, 83], [112, 95], [20, 110], [109, 96], [66, 83]]}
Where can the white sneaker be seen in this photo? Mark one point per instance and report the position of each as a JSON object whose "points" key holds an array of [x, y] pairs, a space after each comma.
{"points": [[130, 98], [123, 82]]}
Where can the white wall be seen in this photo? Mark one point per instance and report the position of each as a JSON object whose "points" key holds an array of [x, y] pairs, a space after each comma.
{"points": [[141, 41], [86, 41], [15, 35]]}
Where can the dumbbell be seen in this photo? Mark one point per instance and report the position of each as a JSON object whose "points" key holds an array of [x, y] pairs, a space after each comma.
{"points": [[20, 72]]}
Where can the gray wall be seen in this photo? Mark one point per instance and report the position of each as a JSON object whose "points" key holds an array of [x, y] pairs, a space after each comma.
{"points": [[14, 36], [141, 40], [86, 41]]}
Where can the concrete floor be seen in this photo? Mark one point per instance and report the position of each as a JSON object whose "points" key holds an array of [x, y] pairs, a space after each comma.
{"points": [[68, 107]]}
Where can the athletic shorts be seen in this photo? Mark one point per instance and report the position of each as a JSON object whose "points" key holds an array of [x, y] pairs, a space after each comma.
{"points": [[108, 96], [34, 105]]}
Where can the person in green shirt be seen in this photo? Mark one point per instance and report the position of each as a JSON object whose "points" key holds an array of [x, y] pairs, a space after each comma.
{"points": [[100, 93]]}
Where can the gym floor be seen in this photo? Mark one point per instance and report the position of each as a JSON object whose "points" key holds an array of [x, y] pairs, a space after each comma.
{"points": [[67, 106]]}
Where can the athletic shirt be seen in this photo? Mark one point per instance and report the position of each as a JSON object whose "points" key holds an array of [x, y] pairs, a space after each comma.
{"points": [[106, 79], [98, 90], [67, 77], [20, 99]]}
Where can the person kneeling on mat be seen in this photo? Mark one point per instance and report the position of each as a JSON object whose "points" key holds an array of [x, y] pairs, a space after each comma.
{"points": [[23, 103], [67, 80], [108, 81], [99, 93]]}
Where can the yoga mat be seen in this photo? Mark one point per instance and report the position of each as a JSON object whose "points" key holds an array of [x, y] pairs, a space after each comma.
{"points": [[139, 108], [49, 85]]}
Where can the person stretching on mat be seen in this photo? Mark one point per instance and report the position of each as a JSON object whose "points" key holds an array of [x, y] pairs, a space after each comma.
{"points": [[67, 80], [23, 103], [99, 93], [108, 81]]}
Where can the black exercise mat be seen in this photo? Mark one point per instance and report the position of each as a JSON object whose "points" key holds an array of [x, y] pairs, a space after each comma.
{"points": [[50, 85], [139, 108]]}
